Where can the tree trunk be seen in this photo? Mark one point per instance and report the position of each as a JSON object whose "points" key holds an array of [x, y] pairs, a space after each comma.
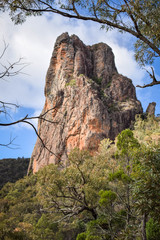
{"points": [[144, 236]]}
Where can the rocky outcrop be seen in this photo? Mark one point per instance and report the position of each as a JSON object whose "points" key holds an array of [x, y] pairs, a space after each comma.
{"points": [[151, 108], [86, 100]]}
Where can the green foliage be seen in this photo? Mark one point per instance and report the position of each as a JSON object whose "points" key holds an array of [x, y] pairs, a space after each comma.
{"points": [[93, 238], [153, 230], [97, 80], [113, 107], [71, 83], [139, 18], [147, 130], [93, 230], [126, 141], [147, 180], [143, 53], [120, 175], [21, 214], [45, 228], [81, 236], [12, 169], [81, 75], [107, 197], [104, 146], [77, 185], [92, 197], [19, 209], [108, 84]]}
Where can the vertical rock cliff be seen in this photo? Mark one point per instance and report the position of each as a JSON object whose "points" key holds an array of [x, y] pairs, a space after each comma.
{"points": [[86, 100]]}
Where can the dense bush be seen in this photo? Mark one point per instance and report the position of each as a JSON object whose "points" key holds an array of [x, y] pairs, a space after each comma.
{"points": [[108, 196]]}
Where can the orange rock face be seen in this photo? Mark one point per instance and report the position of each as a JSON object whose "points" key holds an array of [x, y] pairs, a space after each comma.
{"points": [[86, 101]]}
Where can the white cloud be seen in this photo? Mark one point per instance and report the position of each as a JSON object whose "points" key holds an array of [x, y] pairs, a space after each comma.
{"points": [[34, 40], [127, 66]]}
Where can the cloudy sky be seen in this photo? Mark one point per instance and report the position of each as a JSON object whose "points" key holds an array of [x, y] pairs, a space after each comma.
{"points": [[34, 41]]}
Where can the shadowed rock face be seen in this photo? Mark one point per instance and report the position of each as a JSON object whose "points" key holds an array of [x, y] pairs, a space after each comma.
{"points": [[151, 108], [86, 101]]}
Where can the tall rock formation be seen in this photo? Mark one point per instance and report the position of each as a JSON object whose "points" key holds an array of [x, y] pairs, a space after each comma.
{"points": [[151, 108], [86, 100]]}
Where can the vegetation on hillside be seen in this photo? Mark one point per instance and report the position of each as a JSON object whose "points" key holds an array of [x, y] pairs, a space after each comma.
{"points": [[113, 195], [12, 169]]}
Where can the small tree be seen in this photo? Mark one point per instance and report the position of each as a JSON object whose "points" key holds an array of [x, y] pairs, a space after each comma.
{"points": [[153, 230], [73, 189], [146, 184]]}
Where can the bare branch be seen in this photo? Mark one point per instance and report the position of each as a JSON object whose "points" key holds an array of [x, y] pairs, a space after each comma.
{"points": [[6, 104], [8, 71], [119, 10], [74, 8], [26, 120], [10, 144], [48, 8], [152, 76], [132, 18], [149, 85], [4, 50]]}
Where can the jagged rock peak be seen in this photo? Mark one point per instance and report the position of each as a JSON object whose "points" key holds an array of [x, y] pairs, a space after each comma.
{"points": [[71, 57], [151, 108], [87, 100]]}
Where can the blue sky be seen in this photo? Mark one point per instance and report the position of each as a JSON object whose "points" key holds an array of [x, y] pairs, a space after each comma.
{"points": [[34, 41]]}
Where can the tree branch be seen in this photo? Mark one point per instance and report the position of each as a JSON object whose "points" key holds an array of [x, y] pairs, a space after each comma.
{"points": [[152, 76], [48, 8], [9, 144], [149, 85]]}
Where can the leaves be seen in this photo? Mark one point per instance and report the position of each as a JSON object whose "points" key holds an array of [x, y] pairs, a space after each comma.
{"points": [[126, 141], [93, 197], [107, 197]]}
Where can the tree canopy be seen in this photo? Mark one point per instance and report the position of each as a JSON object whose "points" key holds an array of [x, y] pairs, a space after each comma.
{"points": [[136, 17], [113, 195]]}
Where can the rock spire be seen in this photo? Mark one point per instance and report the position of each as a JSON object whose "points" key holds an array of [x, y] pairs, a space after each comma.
{"points": [[87, 100]]}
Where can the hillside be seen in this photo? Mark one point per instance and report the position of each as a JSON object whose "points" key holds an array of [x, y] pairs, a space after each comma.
{"points": [[113, 195], [12, 169]]}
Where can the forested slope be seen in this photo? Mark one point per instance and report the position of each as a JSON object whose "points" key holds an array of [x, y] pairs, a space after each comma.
{"points": [[12, 169], [113, 195]]}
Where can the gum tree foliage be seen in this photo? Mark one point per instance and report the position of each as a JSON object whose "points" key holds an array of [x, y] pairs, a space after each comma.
{"points": [[120, 183], [74, 189], [113, 195], [153, 230], [132, 197], [146, 174], [140, 18], [21, 217], [49, 204]]}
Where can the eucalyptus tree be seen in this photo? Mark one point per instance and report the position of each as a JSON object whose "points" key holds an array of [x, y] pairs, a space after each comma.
{"points": [[140, 18]]}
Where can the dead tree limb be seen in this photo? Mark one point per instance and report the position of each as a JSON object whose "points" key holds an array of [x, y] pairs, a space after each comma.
{"points": [[154, 80]]}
